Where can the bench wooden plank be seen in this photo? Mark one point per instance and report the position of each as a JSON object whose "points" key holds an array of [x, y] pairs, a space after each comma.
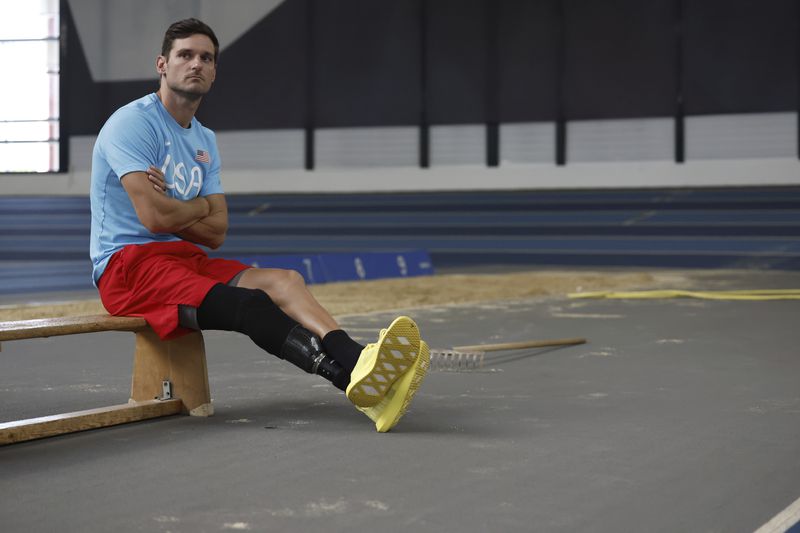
{"points": [[180, 361], [51, 327], [49, 426]]}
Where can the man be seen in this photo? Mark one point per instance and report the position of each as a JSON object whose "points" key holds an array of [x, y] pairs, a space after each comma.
{"points": [[156, 190]]}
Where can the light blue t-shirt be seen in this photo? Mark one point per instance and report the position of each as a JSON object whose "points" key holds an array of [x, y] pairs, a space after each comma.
{"points": [[138, 135]]}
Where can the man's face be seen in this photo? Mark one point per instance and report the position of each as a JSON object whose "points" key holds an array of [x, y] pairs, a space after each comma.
{"points": [[190, 69]]}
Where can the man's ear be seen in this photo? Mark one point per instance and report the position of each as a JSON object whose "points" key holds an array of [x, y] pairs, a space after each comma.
{"points": [[161, 65]]}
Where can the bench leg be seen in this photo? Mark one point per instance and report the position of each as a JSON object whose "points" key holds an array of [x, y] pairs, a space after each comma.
{"points": [[182, 361]]}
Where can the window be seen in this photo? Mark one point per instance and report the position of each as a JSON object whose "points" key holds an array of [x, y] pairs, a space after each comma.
{"points": [[29, 93]]}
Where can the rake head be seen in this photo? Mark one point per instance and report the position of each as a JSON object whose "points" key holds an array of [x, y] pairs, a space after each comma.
{"points": [[455, 361]]}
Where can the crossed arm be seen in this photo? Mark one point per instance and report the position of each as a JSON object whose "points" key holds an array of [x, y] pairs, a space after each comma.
{"points": [[202, 220]]}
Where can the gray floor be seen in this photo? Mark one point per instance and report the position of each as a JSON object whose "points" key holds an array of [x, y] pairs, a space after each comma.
{"points": [[678, 415]]}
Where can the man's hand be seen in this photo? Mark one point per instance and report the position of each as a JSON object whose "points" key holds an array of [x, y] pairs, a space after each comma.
{"points": [[156, 177]]}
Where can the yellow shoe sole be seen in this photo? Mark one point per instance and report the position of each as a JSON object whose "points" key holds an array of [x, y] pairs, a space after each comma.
{"points": [[384, 362], [391, 409]]}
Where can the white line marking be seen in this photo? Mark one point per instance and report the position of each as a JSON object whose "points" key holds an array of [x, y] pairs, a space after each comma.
{"points": [[783, 520]]}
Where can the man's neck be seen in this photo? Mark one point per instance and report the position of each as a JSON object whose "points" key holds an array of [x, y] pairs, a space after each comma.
{"points": [[179, 106]]}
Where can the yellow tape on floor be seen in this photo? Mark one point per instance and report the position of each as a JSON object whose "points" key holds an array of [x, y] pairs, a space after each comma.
{"points": [[756, 294]]}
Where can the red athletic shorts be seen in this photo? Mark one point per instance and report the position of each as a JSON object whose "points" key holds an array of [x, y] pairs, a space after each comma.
{"points": [[151, 280]]}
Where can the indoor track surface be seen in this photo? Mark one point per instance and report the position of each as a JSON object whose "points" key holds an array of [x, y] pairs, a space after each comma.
{"points": [[677, 415]]}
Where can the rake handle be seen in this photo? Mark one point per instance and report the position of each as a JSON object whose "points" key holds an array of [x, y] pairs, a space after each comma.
{"points": [[518, 345]]}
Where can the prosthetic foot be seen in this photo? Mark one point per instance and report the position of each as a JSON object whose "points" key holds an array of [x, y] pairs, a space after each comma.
{"points": [[304, 349], [383, 363], [391, 408]]}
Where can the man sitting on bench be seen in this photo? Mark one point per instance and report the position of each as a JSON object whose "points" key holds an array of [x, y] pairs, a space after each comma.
{"points": [[156, 190]]}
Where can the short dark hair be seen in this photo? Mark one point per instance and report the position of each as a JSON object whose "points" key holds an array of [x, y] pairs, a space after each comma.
{"points": [[186, 28]]}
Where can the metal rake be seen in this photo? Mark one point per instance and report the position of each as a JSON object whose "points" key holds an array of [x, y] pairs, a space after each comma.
{"points": [[471, 357]]}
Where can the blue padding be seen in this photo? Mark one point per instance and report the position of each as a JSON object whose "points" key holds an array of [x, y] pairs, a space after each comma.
{"points": [[376, 265], [326, 268], [310, 266]]}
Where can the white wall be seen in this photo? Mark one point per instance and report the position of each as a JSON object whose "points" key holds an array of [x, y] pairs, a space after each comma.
{"points": [[709, 173], [721, 151]]}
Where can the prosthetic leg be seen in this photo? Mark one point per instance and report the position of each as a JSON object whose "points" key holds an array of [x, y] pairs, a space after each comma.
{"points": [[252, 312], [304, 350]]}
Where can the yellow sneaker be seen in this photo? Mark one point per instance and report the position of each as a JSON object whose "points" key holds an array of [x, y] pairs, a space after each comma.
{"points": [[392, 407], [384, 362]]}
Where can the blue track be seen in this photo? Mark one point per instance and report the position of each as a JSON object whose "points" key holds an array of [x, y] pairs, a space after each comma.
{"points": [[44, 240]]}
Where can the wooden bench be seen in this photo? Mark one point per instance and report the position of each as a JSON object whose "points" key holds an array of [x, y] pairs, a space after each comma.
{"points": [[169, 377]]}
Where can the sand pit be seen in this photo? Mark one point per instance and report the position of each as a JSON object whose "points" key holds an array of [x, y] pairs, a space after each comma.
{"points": [[350, 298]]}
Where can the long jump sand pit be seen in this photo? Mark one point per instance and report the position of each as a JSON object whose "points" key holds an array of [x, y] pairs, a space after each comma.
{"points": [[348, 298]]}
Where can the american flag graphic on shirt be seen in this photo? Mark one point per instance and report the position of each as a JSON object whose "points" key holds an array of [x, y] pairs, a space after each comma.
{"points": [[202, 156]]}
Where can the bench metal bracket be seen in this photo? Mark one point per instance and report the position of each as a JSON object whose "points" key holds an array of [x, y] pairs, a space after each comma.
{"points": [[166, 390]]}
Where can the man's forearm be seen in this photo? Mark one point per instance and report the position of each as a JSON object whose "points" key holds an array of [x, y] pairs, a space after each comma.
{"points": [[174, 215], [208, 231], [158, 212]]}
